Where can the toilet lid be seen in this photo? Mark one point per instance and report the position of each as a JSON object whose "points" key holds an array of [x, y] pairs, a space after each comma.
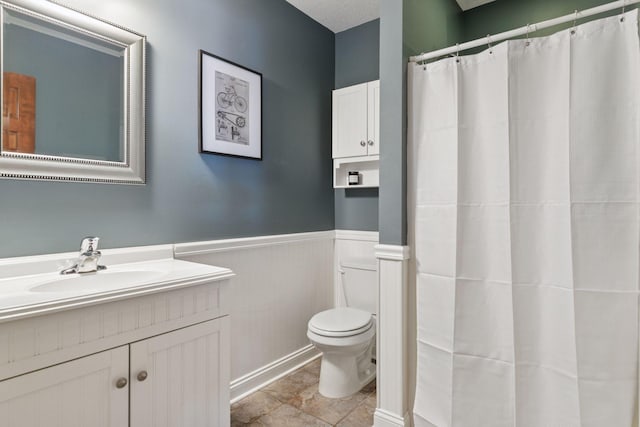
{"points": [[342, 321]]}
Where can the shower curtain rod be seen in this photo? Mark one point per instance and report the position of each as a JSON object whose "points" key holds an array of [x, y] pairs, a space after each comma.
{"points": [[527, 29]]}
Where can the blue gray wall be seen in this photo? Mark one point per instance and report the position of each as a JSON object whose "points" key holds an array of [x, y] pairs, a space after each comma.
{"points": [[69, 80], [192, 196], [358, 54], [357, 61]]}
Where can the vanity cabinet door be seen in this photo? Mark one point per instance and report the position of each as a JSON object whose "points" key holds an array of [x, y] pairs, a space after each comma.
{"points": [[80, 393], [182, 378]]}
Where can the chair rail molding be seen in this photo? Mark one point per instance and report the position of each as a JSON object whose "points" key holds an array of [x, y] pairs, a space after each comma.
{"points": [[392, 406]]}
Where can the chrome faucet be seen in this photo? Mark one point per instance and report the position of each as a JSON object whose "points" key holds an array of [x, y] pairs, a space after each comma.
{"points": [[87, 261]]}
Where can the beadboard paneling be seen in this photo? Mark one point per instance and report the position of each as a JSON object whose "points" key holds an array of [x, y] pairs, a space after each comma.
{"points": [[352, 244], [32, 343], [280, 283]]}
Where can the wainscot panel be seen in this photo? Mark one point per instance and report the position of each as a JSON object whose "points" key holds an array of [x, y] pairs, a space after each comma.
{"points": [[280, 283]]}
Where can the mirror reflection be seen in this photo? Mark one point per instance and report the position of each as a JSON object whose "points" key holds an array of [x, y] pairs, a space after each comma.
{"points": [[63, 91]]}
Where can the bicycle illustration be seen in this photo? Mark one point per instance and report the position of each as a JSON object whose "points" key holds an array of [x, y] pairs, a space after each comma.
{"points": [[230, 98], [233, 118]]}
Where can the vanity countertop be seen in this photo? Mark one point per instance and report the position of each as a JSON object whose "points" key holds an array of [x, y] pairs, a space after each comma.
{"points": [[25, 295]]}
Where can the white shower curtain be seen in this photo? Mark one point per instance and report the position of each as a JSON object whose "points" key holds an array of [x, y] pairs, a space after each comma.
{"points": [[524, 192]]}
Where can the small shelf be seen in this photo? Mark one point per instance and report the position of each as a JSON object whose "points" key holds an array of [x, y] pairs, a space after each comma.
{"points": [[367, 166]]}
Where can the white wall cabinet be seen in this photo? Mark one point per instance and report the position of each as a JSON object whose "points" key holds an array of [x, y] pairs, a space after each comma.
{"points": [[356, 120], [356, 133], [150, 361]]}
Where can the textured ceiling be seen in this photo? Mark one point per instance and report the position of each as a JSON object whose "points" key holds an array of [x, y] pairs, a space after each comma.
{"points": [[340, 15]]}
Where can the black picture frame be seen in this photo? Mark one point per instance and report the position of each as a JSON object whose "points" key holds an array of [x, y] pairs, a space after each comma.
{"points": [[230, 108]]}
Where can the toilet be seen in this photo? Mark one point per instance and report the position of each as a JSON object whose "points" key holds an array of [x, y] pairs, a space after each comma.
{"points": [[346, 335]]}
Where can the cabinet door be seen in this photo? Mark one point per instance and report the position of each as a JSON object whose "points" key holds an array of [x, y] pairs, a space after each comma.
{"points": [[187, 377], [350, 121], [373, 109], [79, 393]]}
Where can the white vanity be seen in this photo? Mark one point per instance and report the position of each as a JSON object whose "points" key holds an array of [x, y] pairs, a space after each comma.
{"points": [[143, 343]]}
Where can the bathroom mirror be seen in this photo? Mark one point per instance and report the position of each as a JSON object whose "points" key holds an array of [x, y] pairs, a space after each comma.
{"points": [[72, 96]]}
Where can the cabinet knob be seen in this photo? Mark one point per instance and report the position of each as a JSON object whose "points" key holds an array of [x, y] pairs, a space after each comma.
{"points": [[363, 143], [142, 375], [370, 142], [121, 383]]}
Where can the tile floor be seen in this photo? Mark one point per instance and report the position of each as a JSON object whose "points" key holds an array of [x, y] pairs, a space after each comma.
{"points": [[294, 401]]}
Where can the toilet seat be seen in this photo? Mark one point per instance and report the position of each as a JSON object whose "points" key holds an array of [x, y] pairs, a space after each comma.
{"points": [[341, 322]]}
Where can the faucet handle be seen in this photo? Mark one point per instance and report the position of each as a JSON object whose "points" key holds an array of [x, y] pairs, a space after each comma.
{"points": [[89, 244]]}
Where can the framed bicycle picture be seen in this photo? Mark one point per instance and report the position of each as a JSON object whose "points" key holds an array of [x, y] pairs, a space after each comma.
{"points": [[230, 108]]}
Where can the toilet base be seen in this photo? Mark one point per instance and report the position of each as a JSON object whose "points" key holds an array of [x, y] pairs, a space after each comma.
{"points": [[343, 375]]}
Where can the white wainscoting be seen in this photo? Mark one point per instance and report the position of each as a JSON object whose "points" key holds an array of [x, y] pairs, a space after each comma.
{"points": [[280, 283], [352, 244], [393, 406]]}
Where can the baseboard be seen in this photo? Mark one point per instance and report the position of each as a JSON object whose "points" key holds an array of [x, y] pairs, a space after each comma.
{"points": [[382, 418], [261, 377]]}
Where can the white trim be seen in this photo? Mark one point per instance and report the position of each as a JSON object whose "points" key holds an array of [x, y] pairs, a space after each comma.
{"points": [[393, 252], [212, 246], [365, 236], [527, 29], [382, 418], [393, 382], [253, 381]]}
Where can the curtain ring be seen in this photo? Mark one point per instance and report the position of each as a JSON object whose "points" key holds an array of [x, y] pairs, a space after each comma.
{"points": [[575, 21], [458, 52], [422, 63], [489, 43], [624, 6], [528, 30]]}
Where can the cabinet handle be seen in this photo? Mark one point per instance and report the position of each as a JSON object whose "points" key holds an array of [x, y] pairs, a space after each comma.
{"points": [[121, 383], [142, 375], [363, 143], [370, 142]]}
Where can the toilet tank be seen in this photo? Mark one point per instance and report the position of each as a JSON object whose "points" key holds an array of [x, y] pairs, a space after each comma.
{"points": [[360, 283]]}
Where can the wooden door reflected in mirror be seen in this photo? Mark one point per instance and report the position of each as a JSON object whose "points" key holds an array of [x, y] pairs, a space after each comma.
{"points": [[19, 113]]}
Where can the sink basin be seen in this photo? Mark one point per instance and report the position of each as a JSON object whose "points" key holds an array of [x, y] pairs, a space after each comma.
{"points": [[38, 289], [99, 281]]}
